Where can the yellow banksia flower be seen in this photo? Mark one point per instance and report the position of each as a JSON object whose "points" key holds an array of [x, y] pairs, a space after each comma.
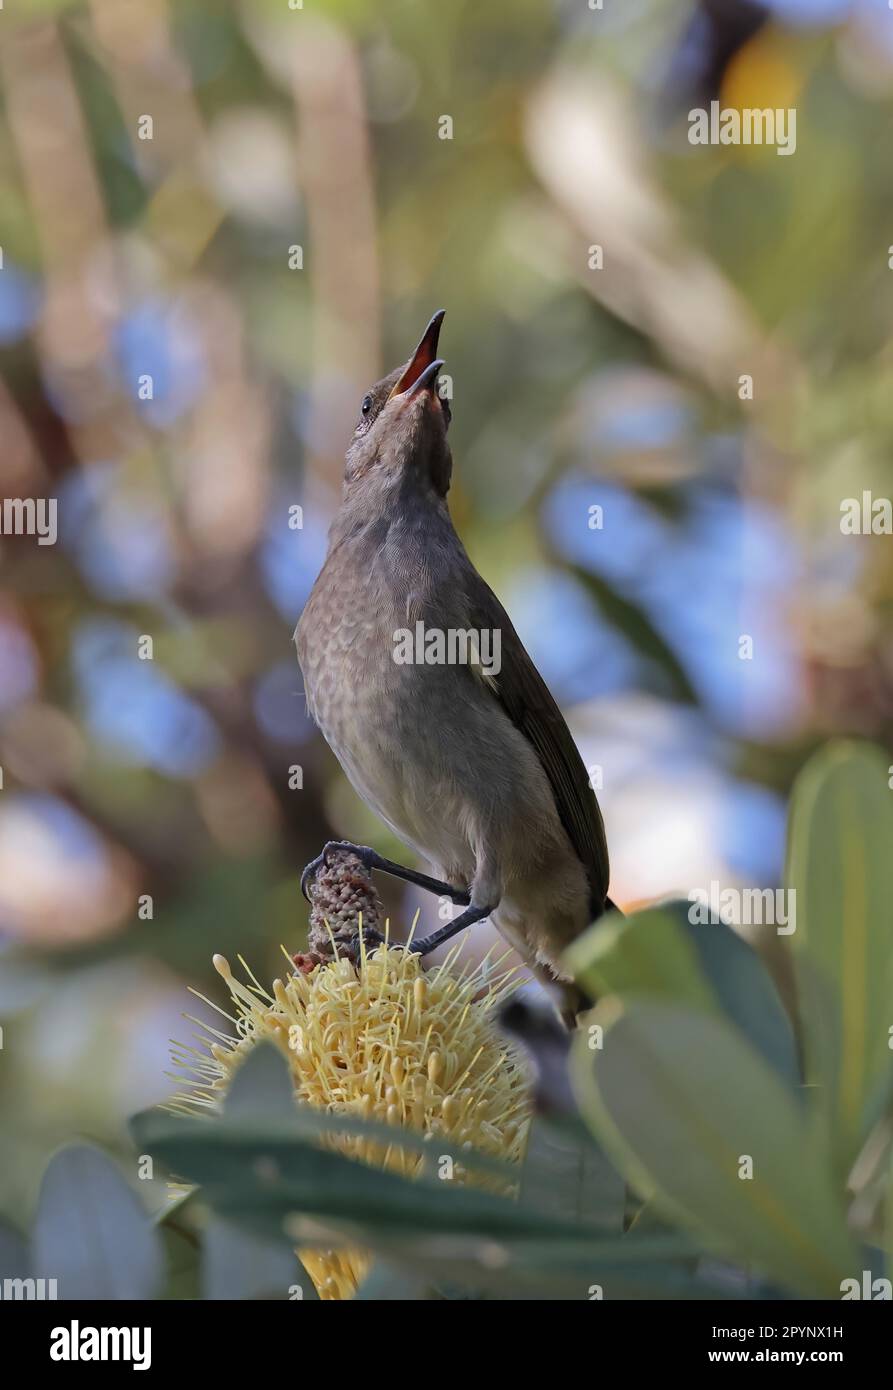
{"points": [[387, 1041]]}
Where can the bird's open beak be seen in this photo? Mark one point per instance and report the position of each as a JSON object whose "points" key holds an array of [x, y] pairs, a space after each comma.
{"points": [[426, 380], [422, 360]]}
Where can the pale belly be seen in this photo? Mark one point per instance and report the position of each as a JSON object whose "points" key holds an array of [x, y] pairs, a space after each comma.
{"points": [[389, 725], [395, 781]]}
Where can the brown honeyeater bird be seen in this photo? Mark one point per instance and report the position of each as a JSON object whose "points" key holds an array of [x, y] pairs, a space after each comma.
{"points": [[469, 762]]}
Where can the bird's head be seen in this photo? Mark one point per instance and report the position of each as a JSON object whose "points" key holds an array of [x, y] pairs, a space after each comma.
{"points": [[401, 434]]}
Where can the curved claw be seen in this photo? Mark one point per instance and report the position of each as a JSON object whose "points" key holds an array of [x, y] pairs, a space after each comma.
{"points": [[322, 859], [310, 871]]}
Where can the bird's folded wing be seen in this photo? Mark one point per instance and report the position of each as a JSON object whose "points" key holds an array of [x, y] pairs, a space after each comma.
{"points": [[525, 697]]}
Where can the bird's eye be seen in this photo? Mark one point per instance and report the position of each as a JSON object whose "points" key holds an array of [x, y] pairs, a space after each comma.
{"points": [[367, 405]]}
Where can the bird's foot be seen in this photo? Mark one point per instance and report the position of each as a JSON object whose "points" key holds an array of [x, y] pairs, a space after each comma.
{"points": [[372, 938], [371, 859], [450, 929], [322, 860]]}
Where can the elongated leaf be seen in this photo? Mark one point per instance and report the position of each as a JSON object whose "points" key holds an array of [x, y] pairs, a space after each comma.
{"points": [[681, 1103], [269, 1171], [389, 1282], [91, 1232], [182, 1263], [840, 866], [262, 1086], [662, 954], [267, 1184], [567, 1175], [237, 1265], [657, 959], [15, 1258], [180, 1226], [623, 1267], [887, 1220]]}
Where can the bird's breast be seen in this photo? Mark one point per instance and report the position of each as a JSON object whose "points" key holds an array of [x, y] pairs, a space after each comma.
{"points": [[345, 642]]}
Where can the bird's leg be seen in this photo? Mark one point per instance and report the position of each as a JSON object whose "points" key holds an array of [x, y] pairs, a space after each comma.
{"points": [[373, 860], [449, 929]]}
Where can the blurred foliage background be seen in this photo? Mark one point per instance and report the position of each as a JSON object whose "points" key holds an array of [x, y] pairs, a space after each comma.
{"points": [[276, 245]]}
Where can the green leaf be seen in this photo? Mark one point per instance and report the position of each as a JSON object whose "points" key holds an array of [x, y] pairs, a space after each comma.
{"points": [[271, 1168], [678, 1099], [268, 1173], [15, 1260], [180, 1226], [389, 1282], [840, 866], [91, 1233], [237, 1265], [567, 1175], [182, 1263], [648, 953], [660, 954], [624, 1267], [269, 1180], [887, 1218], [262, 1086]]}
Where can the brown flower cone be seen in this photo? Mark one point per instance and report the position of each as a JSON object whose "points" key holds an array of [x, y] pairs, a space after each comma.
{"points": [[340, 892]]}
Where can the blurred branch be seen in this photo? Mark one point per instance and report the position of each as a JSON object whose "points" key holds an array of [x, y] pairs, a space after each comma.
{"points": [[335, 162], [581, 140]]}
